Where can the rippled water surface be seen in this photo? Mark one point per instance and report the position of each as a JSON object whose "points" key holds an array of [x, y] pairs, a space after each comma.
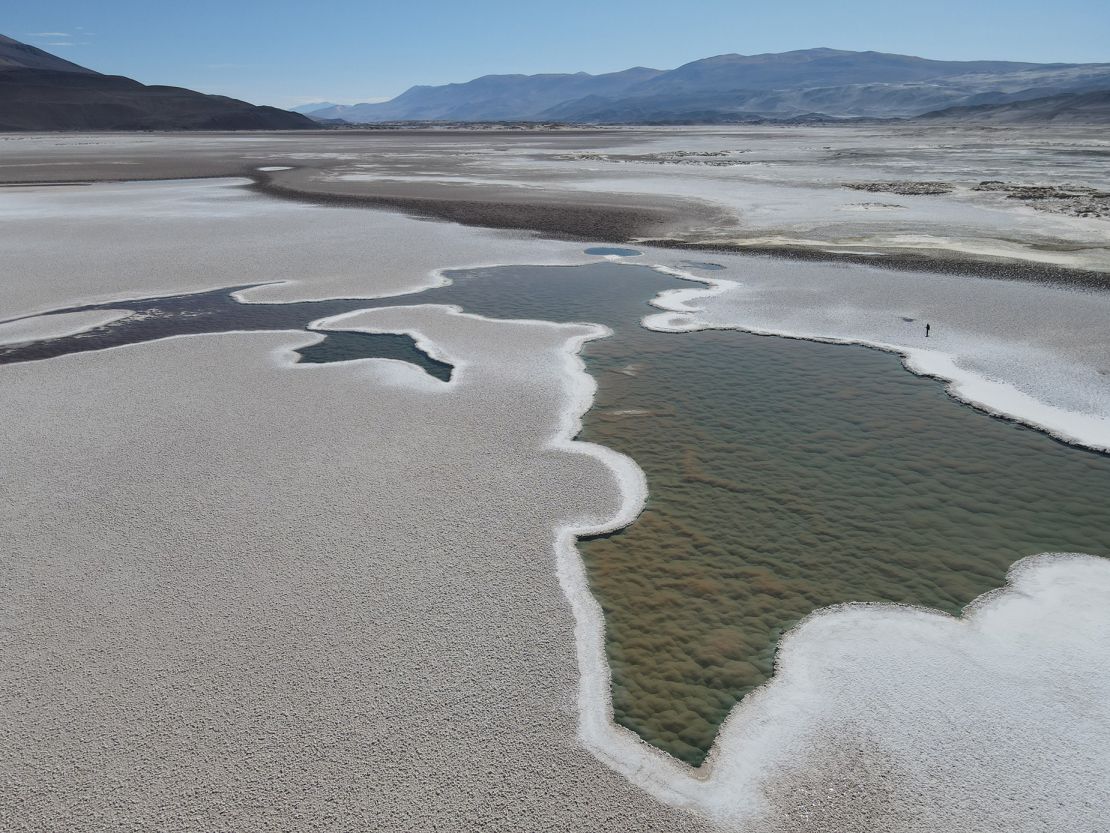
{"points": [[784, 476]]}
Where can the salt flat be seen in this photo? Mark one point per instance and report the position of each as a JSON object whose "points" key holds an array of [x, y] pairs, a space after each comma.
{"points": [[838, 191], [231, 583], [269, 596], [35, 328], [1030, 351]]}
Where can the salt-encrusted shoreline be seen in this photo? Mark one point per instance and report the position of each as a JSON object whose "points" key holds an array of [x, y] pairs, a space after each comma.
{"points": [[997, 398], [649, 768], [727, 788], [39, 327], [621, 749], [712, 790]]}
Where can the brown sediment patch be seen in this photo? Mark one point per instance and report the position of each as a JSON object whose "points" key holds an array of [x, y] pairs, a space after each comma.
{"points": [[1070, 200], [850, 783], [631, 218], [906, 188], [564, 213]]}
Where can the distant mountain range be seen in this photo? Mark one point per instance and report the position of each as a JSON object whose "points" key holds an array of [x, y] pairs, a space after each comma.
{"points": [[40, 91], [313, 107], [805, 84], [1066, 108]]}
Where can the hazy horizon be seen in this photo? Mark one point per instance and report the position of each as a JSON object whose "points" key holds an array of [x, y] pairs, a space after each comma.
{"points": [[273, 53]]}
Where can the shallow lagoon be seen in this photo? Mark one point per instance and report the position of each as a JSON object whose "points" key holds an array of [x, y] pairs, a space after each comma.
{"points": [[784, 476]]}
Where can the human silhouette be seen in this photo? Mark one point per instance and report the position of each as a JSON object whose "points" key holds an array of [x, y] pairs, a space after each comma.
{"points": [[927, 328]]}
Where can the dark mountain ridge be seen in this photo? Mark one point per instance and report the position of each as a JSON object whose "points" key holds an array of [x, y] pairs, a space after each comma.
{"points": [[40, 91], [16, 55]]}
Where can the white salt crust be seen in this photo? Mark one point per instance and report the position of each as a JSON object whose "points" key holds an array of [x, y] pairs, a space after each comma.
{"points": [[39, 327], [791, 730], [142, 239], [764, 741], [779, 185], [237, 582], [973, 382]]}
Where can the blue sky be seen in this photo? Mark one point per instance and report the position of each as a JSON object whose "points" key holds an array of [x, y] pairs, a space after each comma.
{"points": [[285, 53]]}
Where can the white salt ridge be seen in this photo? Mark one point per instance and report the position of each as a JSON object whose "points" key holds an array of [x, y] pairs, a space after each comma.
{"points": [[1004, 400], [1049, 619], [39, 327], [876, 667], [998, 721], [1060, 389]]}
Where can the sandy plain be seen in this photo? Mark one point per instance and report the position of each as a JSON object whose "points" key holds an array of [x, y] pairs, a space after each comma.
{"points": [[246, 595]]}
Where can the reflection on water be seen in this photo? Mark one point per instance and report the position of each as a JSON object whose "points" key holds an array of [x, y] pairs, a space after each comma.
{"points": [[613, 250], [784, 476]]}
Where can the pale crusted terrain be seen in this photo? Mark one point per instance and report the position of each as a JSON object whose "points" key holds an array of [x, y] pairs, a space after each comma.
{"points": [[245, 596], [753, 188], [1043, 344], [65, 245], [54, 326], [897, 719]]}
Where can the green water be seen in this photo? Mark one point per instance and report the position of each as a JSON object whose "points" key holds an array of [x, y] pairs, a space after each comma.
{"points": [[784, 476]]}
